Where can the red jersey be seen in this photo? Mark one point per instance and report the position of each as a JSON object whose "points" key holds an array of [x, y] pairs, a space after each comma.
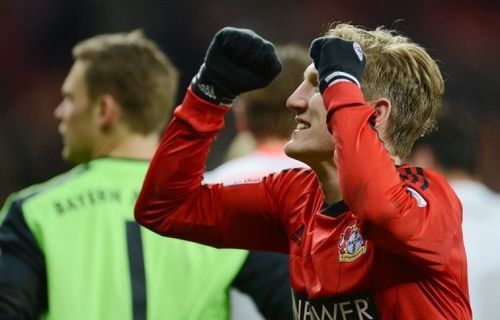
{"points": [[391, 249]]}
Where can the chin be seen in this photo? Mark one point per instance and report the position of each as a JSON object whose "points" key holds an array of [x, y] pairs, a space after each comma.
{"points": [[73, 158], [293, 153], [65, 155]]}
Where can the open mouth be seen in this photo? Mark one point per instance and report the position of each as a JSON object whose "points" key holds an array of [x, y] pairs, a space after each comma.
{"points": [[302, 125]]}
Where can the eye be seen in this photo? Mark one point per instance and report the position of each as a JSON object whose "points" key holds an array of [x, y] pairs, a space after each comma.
{"points": [[313, 78], [66, 96], [315, 81]]}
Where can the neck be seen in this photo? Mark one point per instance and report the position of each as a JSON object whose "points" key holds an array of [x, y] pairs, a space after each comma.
{"points": [[131, 146], [328, 181]]}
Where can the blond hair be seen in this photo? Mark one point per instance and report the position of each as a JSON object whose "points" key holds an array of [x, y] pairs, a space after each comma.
{"points": [[403, 72], [135, 72]]}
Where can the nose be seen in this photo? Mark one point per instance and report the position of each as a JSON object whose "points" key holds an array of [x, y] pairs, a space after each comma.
{"points": [[58, 111], [298, 100]]}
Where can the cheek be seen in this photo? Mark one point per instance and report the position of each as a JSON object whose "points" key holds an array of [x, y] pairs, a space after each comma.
{"points": [[68, 117], [77, 115], [317, 102], [327, 140], [324, 137]]}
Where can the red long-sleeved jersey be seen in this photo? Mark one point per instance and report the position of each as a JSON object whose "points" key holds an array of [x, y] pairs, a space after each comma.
{"points": [[392, 249]]}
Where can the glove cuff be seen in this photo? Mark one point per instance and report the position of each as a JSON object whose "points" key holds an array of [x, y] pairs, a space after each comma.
{"points": [[205, 89], [335, 77]]}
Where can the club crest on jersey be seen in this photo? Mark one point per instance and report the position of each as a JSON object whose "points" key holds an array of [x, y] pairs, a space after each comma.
{"points": [[351, 244]]}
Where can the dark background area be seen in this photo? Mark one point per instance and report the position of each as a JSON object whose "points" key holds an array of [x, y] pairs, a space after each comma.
{"points": [[36, 37]]}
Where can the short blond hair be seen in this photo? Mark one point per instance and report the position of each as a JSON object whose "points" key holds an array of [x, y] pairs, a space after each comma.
{"points": [[135, 72], [403, 72]]}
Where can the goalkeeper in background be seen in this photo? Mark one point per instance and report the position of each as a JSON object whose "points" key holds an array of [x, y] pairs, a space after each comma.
{"points": [[70, 248]]}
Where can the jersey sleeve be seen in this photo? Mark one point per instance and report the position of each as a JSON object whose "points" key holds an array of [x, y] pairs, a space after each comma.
{"points": [[22, 268], [418, 220], [174, 202]]}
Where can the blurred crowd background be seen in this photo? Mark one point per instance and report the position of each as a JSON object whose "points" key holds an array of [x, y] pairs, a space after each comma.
{"points": [[36, 37]]}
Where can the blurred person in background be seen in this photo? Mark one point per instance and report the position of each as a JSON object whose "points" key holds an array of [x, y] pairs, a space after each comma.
{"points": [[368, 236], [70, 248], [454, 150], [262, 115]]}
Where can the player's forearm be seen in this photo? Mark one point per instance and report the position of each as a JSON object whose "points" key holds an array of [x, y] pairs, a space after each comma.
{"points": [[370, 183], [175, 173], [173, 201], [372, 187]]}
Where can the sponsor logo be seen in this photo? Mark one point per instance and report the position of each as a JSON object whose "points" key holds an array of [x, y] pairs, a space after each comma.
{"points": [[91, 198], [351, 244], [360, 306], [207, 90], [420, 200], [247, 180], [358, 50]]}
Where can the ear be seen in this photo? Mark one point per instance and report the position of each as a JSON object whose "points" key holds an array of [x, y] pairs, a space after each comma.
{"points": [[109, 111], [383, 109]]}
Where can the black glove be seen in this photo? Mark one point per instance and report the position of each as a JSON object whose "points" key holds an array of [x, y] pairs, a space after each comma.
{"points": [[237, 60], [337, 60]]}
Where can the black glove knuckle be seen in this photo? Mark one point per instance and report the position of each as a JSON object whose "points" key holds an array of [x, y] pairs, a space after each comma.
{"points": [[238, 60], [337, 59]]}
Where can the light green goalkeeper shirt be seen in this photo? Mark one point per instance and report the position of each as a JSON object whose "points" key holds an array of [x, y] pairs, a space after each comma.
{"points": [[99, 263]]}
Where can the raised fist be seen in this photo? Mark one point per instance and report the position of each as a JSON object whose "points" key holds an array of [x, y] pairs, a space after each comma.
{"points": [[237, 60], [337, 60]]}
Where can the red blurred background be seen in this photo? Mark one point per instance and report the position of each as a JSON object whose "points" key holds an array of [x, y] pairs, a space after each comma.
{"points": [[36, 37]]}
